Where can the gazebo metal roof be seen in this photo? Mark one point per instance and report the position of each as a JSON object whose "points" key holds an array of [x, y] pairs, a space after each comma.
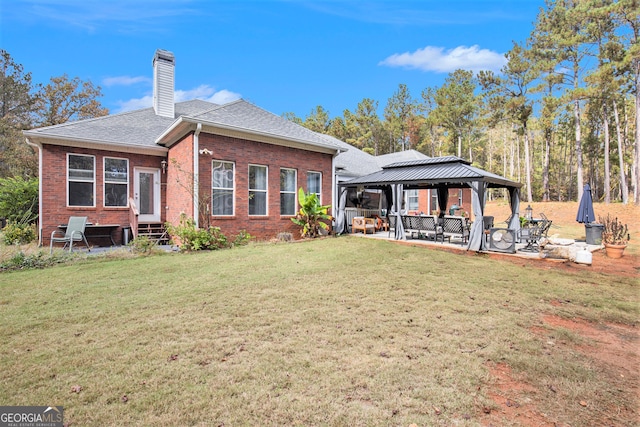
{"points": [[448, 171]]}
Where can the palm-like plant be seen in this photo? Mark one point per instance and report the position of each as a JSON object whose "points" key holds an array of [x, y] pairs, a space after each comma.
{"points": [[311, 216]]}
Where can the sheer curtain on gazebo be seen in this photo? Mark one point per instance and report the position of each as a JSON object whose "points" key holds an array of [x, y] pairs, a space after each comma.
{"points": [[398, 197], [341, 217], [514, 201], [476, 234]]}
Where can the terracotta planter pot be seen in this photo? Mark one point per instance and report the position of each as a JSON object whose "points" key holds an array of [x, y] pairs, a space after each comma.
{"points": [[614, 251]]}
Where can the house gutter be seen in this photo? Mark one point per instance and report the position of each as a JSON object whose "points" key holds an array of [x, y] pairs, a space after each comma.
{"points": [[94, 144], [196, 173], [38, 146], [334, 184]]}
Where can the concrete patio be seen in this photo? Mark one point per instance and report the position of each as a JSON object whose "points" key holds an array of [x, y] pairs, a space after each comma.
{"points": [[552, 248]]}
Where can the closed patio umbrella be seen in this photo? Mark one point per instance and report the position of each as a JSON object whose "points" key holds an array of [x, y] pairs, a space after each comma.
{"points": [[593, 231], [585, 209]]}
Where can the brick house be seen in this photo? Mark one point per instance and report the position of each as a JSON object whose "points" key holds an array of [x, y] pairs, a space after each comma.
{"points": [[235, 166]]}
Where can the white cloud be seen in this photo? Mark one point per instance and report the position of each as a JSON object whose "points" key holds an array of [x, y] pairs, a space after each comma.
{"points": [[223, 96], [203, 92], [125, 80], [432, 58], [135, 104], [207, 93]]}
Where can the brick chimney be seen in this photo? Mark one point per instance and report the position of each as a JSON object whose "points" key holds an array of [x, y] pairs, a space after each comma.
{"points": [[163, 83]]}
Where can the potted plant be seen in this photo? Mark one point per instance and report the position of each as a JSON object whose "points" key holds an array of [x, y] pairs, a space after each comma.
{"points": [[615, 236]]}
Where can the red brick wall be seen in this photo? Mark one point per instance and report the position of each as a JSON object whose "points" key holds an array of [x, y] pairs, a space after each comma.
{"points": [[179, 188], [242, 153], [54, 189], [177, 196], [425, 205], [423, 201]]}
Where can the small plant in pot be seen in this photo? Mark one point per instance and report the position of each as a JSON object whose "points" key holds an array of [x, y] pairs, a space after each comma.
{"points": [[615, 236]]}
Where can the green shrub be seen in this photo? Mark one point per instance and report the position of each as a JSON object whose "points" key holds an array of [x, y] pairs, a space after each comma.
{"points": [[18, 234], [242, 238], [19, 199], [142, 245], [40, 259], [195, 239]]}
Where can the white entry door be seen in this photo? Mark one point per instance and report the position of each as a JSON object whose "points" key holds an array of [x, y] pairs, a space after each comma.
{"points": [[147, 194]]}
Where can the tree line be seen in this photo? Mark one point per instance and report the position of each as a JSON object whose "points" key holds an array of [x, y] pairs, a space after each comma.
{"points": [[26, 105], [563, 111]]}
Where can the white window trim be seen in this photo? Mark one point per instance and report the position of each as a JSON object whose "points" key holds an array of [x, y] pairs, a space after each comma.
{"points": [[233, 188], [294, 192], [266, 191], [93, 180], [412, 194], [105, 181], [320, 184]]}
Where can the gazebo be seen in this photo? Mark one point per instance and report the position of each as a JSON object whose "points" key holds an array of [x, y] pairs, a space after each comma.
{"points": [[440, 173]]}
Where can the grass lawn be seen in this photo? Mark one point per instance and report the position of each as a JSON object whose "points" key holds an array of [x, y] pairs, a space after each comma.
{"points": [[339, 331]]}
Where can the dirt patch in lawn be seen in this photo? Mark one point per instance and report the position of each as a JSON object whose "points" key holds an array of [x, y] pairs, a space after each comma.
{"points": [[615, 345], [513, 408], [613, 348]]}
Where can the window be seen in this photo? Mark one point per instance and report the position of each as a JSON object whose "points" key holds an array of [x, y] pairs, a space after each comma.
{"points": [[314, 180], [434, 200], [257, 190], [116, 182], [287, 191], [412, 200], [460, 197], [223, 188], [81, 180]]}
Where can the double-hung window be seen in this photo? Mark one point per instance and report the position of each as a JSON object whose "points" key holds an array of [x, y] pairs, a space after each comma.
{"points": [[81, 180], [412, 200], [257, 190], [314, 180], [116, 182], [287, 191], [223, 188], [434, 200]]}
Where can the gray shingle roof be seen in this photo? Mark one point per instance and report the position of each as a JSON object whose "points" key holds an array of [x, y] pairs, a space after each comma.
{"points": [[244, 115], [399, 156], [352, 162], [142, 128]]}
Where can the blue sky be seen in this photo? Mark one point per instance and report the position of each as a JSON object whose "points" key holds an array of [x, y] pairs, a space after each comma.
{"points": [[284, 56]]}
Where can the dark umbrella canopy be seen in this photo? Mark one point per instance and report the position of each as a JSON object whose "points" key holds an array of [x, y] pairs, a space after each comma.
{"points": [[585, 210]]}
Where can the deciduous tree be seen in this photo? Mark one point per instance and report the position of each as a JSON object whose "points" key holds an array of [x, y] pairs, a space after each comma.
{"points": [[16, 106], [64, 99]]}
